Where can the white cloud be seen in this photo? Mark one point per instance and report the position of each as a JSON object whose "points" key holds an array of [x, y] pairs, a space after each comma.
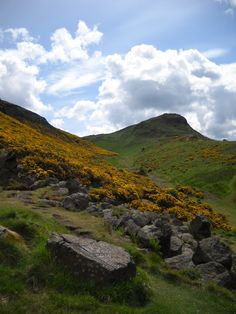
{"points": [[16, 34], [147, 82], [66, 48], [140, 84], [215, 53], [58, 123]]}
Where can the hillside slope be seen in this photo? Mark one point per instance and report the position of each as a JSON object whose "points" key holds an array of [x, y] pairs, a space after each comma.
{"points": [[169, 148], [40, 155]]}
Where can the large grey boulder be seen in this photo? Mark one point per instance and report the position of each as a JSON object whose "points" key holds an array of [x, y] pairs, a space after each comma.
{"points": [[88, 259], [212, 249], [200, 227], [76, 202], [216, 272]]}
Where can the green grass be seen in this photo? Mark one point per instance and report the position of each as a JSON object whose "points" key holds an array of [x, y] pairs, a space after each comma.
{"points": [[32, 282], [199, 162]]}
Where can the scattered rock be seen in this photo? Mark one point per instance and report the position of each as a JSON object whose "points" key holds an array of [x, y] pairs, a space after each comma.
{"points": [[74, 186], [216, 272], [175, 246], [76, 202], [200, 227], [141, 219], [161, 232], [63, 191], [109, 218], [42, 183], [182, 261], [212, 249], [88, 259], [132, 228], [189, 241]]}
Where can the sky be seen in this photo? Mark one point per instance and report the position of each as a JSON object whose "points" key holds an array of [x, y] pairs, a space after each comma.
{"points": [[95, 67]]}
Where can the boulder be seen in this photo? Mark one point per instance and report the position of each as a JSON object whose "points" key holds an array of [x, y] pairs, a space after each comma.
{"points": [[183, 261], [216, 272], [88, 259], [212, 249], [189, 241], [109, 218], [124, 219], [200, 227], [74, 186], [132, 229], [161, 232], [141, 219], [76, 202], [42, 183], [175, 246], [62, 191]]}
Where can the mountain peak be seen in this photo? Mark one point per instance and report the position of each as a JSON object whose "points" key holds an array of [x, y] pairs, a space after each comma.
{"points": [[171, 118]]}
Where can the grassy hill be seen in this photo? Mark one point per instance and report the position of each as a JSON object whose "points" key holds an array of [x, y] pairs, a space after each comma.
{"points": [[170, 151], [32, 281], [43, 154]]}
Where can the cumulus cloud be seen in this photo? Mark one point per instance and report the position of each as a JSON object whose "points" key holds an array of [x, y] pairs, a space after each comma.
{"points": [[20, 66], [147, 82], [135, 86]]}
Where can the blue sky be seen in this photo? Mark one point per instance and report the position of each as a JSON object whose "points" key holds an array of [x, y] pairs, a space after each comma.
{"points": [[97, 66]]}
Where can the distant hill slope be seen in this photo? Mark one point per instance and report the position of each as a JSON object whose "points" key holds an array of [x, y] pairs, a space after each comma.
{"points": [[32, 149], [167, 147]]}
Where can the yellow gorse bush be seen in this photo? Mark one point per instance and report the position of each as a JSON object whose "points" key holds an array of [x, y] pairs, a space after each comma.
{"points": [[62, 155]]}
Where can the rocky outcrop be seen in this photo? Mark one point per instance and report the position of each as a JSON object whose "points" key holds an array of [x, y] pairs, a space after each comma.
{"points": [[88, 259], [76, 202]]}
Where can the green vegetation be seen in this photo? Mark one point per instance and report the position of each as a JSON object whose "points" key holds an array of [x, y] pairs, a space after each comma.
{"points": [[173, 154], [32, 282]]}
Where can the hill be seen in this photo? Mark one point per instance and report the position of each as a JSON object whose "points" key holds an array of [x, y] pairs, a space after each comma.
{"points": [[168, 148], [39, 167]]}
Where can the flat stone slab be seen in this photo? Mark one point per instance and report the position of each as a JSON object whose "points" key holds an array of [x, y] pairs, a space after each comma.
{"points": [[93, 260]]}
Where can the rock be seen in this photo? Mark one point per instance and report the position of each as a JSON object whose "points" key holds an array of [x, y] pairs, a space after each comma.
{"points": [[182, 261], [183, 229], [63, 191], [48, 203], [42, 183], [161, 232], [141, 219], [189, 241], [216, 272], [76, 202], [88, 259], [74, 186], [123, 220], [200, 227], [212, 249], [106, 205], [109, 218], [175, 246], [93, 209], [132, 228]]}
